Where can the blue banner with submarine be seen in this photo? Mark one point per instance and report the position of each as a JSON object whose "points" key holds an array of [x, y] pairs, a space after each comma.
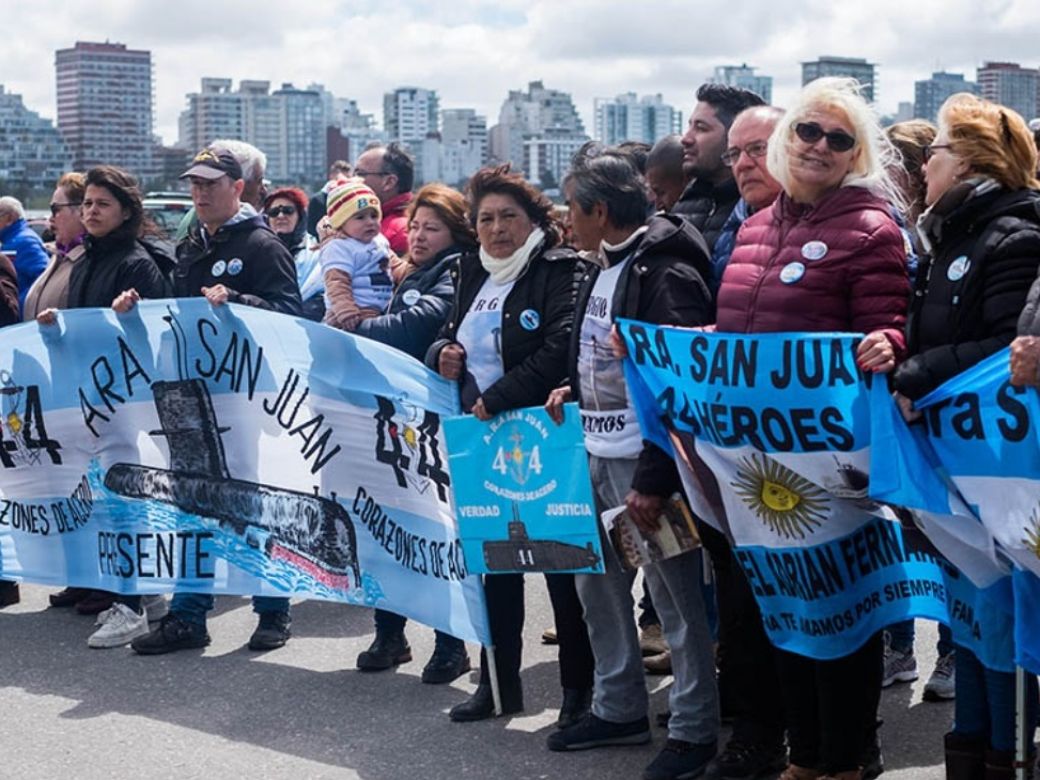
{"points": [[522, 493], [978, 433], [184, 447], [772, 437]]}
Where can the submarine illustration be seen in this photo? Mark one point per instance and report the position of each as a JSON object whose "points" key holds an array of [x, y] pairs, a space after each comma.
{"points": [[312, 533], [522, 553]]}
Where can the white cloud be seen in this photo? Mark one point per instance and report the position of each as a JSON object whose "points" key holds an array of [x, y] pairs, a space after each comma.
{"points": [[473, 52]]}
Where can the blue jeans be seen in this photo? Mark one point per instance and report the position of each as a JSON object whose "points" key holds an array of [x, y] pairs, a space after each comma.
{"points": [[901, 638], [986, 702], [192, 607]]}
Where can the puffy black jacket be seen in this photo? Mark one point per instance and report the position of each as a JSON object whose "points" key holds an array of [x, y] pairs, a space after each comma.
{"points": [[418, 309], [535, 361], [119, 262], [247, 258], [972, 285], [664, 284], [708, 206]]}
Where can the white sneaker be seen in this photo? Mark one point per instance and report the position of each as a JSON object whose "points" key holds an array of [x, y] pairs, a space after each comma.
{"points": [[155, 608], [942, 685], [121, 627]]}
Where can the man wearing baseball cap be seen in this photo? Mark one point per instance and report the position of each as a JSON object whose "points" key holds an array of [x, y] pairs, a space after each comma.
{"points": [[229, 255]]}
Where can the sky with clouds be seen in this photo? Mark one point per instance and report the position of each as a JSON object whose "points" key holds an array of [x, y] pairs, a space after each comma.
{"points": [[473, 52]]}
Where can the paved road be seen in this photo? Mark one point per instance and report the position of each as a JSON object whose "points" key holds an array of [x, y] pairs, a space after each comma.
{"points": [[303, 712]]}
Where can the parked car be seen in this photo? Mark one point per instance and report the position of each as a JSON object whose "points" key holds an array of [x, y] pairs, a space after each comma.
{"points": [[167, 209]]}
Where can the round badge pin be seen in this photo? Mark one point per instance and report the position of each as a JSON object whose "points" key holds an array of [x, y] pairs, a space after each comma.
{"points": [[792, 272], [234, 266], [411, 297], [218, 268], [958, 268], [814, 250], [529, 319]]}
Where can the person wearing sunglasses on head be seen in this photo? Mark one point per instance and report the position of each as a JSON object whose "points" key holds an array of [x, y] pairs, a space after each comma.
{"points": [[21, 244], [826, 256], [981, 241]]}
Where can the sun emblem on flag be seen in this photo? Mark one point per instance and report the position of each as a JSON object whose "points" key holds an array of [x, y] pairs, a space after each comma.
{"points": [[1032, 538], [789, 505]]}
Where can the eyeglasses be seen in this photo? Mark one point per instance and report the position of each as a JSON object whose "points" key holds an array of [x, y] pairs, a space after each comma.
{"points": [[56, 207], [837, 140], [928, 152], [280, 211], [362, 174], [753, 150]]}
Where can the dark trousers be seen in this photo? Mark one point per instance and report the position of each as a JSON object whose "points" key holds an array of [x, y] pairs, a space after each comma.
{"points": [[392, 623], [749, 686], [505, 602], [832, 705]]}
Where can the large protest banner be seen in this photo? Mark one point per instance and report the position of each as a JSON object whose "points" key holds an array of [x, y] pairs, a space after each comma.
{"points": [[971, 466], [522, 493], [229, 450], [772, 436]]}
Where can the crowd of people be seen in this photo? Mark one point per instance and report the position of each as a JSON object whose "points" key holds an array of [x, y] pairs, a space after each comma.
{"points": [[758, 219]]}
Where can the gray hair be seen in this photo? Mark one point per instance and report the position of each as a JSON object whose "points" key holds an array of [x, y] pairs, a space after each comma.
{"points": [[610, 177], [9, 205], [667, 153], [252, 160], [877, 156]]}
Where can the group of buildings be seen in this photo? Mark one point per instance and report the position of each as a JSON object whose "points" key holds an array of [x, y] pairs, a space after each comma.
{"points": [[105, 113]]}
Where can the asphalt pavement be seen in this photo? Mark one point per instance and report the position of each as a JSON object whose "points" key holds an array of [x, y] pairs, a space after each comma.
{"points": [[303, 711]]}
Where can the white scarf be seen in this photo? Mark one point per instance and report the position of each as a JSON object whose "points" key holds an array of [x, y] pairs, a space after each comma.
{"points": [[506, 269]]}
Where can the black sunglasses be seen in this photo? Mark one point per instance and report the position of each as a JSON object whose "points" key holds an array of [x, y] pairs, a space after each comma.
{"points": [[837, 140], [56, 207], [280, 211]]}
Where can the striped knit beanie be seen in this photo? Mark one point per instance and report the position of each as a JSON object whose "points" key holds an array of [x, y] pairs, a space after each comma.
{"points": [[347, 198]]}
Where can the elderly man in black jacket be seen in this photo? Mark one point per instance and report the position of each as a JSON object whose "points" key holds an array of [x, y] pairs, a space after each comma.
{"points": [[229, 255], [652, 271]]}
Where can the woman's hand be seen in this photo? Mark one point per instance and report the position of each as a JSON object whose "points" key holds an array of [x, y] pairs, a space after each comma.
{"points": [[645, 510], [217, 295], [125, 301], [906, 406], [554, 406], [450, 361], [47, 317], [617, 344], [1025, 361], [875, 353], [480, 411]]}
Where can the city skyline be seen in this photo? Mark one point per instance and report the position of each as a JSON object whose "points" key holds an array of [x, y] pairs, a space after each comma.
{"points": [[484, 50]]}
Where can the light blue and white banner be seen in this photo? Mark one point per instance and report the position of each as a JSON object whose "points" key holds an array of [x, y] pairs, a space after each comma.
{"points": [[771, 433], [971, 465], [229, 450], [523, 494]]}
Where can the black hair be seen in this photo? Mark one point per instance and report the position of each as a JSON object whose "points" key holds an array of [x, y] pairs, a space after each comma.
{"points": [[728, 101], [400, 162], [638, 151]]}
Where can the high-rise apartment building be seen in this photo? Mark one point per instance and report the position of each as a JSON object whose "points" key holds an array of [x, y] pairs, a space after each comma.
{"points": [[930, 94], [852, 67], [743, 76], [105, 105], [32, 152], [410, 113], [630, 118], [464, 142], [1011, 85]]}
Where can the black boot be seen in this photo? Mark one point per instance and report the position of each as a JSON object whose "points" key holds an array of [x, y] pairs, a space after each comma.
{"points": [[965, 757], [1000, 765], [576, 704], [481, 705], [10, 593], [386, 651], [446, 664]]}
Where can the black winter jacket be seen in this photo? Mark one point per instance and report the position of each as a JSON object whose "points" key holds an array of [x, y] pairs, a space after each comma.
{"points": [[1029, 321], [664, 284], [708, 206], [418, 309], [535, 361], [119, 262], [972, 285], [247, 258]]}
